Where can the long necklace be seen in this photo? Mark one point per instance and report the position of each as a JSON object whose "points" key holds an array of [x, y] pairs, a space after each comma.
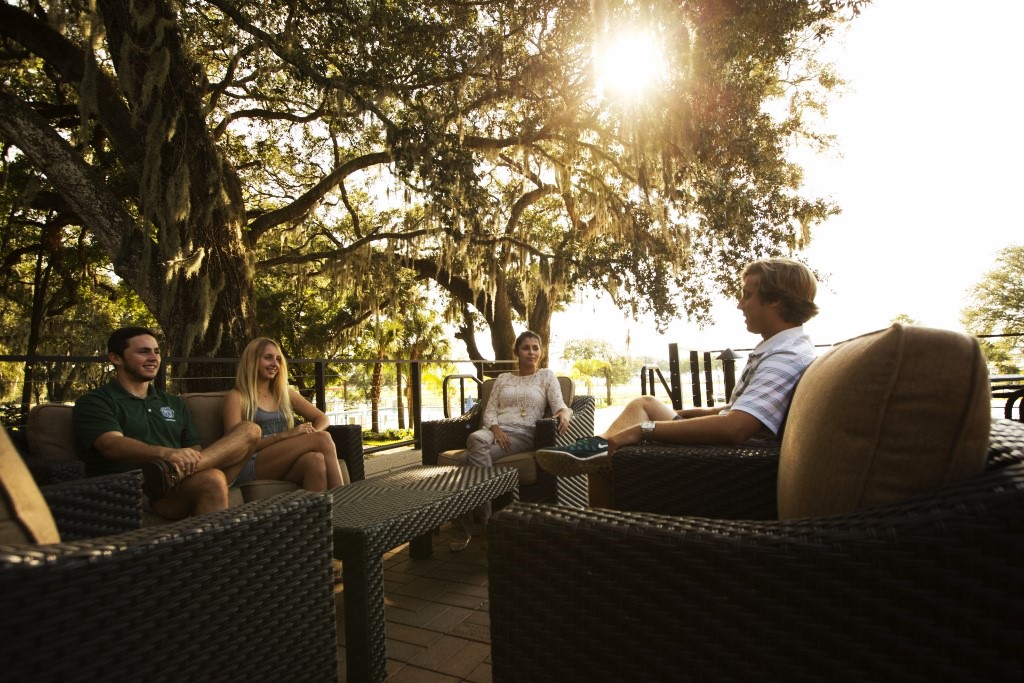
{"points": [[519, 392]]}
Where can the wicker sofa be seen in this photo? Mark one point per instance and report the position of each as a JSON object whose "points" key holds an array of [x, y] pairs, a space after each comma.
{"points": [[444, 439], [242, 594], [909, 576], [52, 456]]}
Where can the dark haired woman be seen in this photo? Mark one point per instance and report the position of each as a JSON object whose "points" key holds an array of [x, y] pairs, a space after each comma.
{"points": [[507, 426]]}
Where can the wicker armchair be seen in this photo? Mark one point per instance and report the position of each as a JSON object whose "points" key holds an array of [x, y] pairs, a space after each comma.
{"points": [[444, 437], [925, 589], [895, 555], [243, 594]]}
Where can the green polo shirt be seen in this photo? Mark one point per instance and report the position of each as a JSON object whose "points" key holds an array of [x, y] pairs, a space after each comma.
{"points": [[160, 419]]}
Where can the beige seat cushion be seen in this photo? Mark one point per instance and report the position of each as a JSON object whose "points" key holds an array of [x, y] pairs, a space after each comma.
{"points": [[525, 463], [51, 432], [24, 514], [882, 417]]}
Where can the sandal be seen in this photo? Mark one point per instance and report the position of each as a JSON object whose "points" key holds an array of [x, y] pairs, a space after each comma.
{"points": [[460, 545], [159, 478]]}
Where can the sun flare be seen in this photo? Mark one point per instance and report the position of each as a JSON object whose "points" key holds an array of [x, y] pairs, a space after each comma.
{"points": [[628, 65]]}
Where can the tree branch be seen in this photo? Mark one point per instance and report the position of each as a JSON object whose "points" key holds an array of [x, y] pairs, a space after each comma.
{"points": [[297, 209], [78, 184], [70, 61]]}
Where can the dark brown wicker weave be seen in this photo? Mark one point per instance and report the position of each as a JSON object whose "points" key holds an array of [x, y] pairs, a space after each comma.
{"points": [[378, 514], [348, 440], [243, 594], [924, 590], [445, 435], [725, 482], [98, 506], [46, 471]]}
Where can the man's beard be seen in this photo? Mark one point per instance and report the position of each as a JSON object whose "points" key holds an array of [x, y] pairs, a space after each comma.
{"points": [[137, 372]]}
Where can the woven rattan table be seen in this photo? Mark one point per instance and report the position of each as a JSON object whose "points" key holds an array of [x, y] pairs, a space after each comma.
{"points": [[372, 516]]}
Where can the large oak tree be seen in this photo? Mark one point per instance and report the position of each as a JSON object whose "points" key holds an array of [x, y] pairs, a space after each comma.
{"points": [[202, 143]]}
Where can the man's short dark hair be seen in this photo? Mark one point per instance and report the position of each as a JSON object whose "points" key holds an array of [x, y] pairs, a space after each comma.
{"points": [[119, 338]]}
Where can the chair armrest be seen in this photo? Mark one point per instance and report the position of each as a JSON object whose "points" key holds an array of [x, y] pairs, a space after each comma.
{"points": [[724, 482], [47, 471], [96, 506], [923, 590], [438, 436], [348, 440], [241, 594], [580, 424]]}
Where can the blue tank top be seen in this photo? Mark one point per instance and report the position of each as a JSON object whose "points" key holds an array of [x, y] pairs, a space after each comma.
{"points": [[270, 422]]}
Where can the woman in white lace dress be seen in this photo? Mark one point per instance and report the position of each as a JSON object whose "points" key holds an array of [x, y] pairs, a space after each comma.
{"points": [[517, 401]]}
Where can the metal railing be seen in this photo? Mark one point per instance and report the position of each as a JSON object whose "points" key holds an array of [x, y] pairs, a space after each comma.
{"points": [[325, 382], [706, 366]]}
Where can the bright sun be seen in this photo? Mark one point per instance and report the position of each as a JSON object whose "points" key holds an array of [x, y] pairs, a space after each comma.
{"points": [[628, 65]]}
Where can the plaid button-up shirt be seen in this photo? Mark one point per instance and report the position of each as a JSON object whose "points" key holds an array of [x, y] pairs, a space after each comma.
{"points": [[766, 386]]}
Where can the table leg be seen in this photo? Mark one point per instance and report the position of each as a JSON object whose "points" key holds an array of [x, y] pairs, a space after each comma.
{"points": [[365, 628], [600, 490], [422, 547]]}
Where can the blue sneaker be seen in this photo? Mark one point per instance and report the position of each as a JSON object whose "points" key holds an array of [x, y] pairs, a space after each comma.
{"points": [[587, 447]]}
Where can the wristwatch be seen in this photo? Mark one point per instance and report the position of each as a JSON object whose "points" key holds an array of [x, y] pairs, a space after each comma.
{"points": [[647, 429]]}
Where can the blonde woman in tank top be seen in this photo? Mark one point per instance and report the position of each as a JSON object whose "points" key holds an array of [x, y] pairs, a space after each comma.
{"points": [[302, 453]]}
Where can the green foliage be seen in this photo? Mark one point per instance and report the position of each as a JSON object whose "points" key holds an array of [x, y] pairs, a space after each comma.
{"points": [[12, 416], [593, 358], [58, 298], [372, 438], [298, 169], [904, 319], [997, 308]]}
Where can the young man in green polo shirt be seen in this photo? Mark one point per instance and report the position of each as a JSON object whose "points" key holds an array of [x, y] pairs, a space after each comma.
{"points": [[130, 424]]}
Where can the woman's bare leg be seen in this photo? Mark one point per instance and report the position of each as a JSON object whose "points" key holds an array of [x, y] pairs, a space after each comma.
{"points": [[334, 478], [309, 472], [276, 461]]}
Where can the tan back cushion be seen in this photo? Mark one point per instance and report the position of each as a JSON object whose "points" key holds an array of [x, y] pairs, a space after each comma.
{"points": [[566, 385], [205, 409], [24, 515], [51, 433], [883, 417]]}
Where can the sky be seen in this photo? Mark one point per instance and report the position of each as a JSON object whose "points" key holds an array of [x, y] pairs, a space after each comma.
{"points": [[928, 169]]}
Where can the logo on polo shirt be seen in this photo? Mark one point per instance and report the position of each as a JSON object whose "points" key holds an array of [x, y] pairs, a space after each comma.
{"points": [[168, 413]]}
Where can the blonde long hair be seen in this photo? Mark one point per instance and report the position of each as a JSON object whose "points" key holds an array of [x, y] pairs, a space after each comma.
{"points": [[247, 382]]}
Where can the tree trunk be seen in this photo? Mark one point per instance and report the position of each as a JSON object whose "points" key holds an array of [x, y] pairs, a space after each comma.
{"points": [[539, 321], [375, 386], [503, 335], [205, 299], [196, 275], [399, 398]]}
